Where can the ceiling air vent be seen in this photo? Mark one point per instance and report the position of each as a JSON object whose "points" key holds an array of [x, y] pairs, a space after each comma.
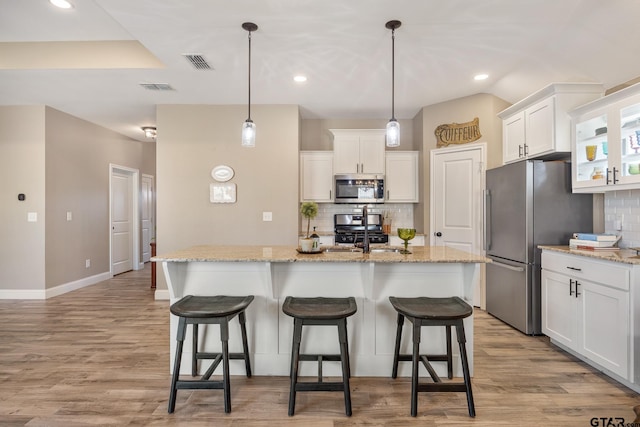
{"points": [[197, 61], [156, 86]]}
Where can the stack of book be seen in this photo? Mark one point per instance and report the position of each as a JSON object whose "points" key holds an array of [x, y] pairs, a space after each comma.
{"points": [[593, 241]]}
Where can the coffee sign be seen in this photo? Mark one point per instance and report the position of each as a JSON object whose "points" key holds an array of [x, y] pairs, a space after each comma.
{"points": [[458, 133]]}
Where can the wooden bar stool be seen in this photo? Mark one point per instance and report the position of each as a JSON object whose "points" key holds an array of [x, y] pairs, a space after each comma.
{"points": [[220, 309], [424, 311], [320, 311]]}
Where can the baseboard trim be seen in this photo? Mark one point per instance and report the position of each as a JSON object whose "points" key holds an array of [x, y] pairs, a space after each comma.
{"points": [[55, 291], [22, 294], [78, 284], [162, 294]]}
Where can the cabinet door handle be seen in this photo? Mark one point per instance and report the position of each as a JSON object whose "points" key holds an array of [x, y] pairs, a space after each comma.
{"points": [[329, 194], [577, 293], [519, 150], [607, 178], [526, 150], [571, 281], [615, 179], [574, 268], [387, 194]]}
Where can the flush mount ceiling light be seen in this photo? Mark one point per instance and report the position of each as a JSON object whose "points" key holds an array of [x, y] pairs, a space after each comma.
{"points": [[393, 127], [62, 4], [481, 77], [149, 132], [248, 127], [299, 78]]}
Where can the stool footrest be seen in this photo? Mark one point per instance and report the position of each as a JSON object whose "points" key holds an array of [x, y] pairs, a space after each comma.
{"points": [[199, 385], [320, 357], [436, 387], [431, 357], [234, 356], [317, 386]]}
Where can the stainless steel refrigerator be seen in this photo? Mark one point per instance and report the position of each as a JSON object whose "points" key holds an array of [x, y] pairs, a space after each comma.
{"points": [[528, 203]]}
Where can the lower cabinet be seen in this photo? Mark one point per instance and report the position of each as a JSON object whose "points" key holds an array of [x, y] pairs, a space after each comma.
{"points": [[586, 308]]}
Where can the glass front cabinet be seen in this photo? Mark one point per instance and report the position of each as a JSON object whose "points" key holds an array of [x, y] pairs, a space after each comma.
{"points": [[606, 149]]}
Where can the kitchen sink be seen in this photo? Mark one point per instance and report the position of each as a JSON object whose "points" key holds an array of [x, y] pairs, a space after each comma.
{"points": [[343, 249], [388, 250], [351, 249]]}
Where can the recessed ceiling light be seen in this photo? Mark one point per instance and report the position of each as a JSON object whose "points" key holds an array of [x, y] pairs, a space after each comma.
{"points": [[300, 79], [481, 77], [62, 4]]}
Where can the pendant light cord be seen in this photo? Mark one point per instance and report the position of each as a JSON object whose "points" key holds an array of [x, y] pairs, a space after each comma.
{"points": [[249, 105], [393, 73]]}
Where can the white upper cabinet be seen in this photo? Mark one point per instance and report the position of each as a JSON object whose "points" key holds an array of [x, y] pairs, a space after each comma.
{"points": [[316, 176], [606, 151], [539, 126], [401, 177], [358, 151]]}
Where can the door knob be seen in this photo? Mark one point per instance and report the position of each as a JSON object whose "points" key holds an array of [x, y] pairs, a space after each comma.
{"points": [[437, 234]]}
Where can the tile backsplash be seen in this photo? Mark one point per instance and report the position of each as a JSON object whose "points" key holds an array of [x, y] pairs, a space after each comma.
{"points": [[623, 206], [401, 215]]}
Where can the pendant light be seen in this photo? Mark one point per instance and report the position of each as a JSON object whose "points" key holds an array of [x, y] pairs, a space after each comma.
{"points": [[393, 127], [248, 127]]}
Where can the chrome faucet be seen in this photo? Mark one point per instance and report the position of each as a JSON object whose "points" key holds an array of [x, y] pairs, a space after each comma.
{"points": [[365, 241]]}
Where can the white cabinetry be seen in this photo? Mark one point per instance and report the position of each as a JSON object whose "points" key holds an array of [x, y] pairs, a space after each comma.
{"points": [[316, 176], [586, 308], [538, 126], [606, 150], [358, 151], [401, 177]]}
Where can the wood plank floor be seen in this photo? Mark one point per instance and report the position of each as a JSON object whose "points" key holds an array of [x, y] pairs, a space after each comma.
{"points": [[99, 356]]}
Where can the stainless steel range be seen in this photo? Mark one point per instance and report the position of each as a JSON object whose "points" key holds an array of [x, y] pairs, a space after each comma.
{"points": [[349, 229]]}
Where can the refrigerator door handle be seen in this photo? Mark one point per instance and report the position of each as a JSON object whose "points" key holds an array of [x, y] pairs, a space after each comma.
{"points": [[507, 266], [487, 220]]}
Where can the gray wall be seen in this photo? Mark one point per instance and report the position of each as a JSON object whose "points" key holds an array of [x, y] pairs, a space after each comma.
{"points": [[61, 163], [192, 140], [485, 107], [22, 170], [78, 154], [315, 134]]}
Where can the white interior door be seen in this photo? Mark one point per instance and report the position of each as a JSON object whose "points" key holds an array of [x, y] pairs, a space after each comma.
{"points": [[457, 188], [124, 219], [147, 215]]}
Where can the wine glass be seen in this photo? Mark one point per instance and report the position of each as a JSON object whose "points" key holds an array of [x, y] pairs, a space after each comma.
{"points": [[406, 234]]}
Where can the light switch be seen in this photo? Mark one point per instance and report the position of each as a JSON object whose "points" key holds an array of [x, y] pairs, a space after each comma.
{"points": [[69, 216], [32, 216], [267, 216]]}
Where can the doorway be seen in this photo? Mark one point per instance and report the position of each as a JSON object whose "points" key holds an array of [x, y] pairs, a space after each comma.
{"points": [[147, 215], [124, 219], [457, 202]]}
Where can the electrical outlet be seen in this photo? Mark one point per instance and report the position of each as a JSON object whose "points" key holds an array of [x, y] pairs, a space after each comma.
{"points": [[87, 263], [267, 216]]}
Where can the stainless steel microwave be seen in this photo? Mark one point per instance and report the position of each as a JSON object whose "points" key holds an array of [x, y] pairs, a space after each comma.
{"points": [[359, 188]]}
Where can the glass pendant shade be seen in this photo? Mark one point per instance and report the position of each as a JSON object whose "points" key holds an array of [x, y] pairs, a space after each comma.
{"points": [[248, 134], [393, 133]]}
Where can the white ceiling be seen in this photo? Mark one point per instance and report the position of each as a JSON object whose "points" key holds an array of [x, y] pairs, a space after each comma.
{"points": [[341, 45]]}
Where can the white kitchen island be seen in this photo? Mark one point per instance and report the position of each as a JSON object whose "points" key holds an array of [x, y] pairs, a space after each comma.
{"points": [[273, 273]]}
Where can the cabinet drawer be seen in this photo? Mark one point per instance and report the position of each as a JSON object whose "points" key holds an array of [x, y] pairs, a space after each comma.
{"points": [[594, 270]]}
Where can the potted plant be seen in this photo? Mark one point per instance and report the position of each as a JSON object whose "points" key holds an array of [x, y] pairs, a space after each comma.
{"points": [[309, 210]]}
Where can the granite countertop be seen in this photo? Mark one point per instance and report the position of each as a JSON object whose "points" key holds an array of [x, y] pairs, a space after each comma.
{"points": [[420, 254], [625, 256]]}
